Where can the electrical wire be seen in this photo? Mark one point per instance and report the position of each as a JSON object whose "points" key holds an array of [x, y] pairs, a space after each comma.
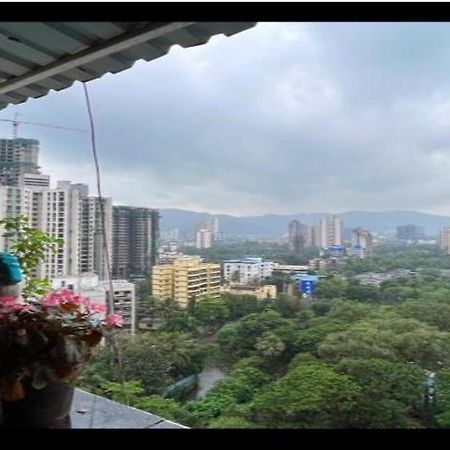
{"points": [[113, 341], [100, 197]]}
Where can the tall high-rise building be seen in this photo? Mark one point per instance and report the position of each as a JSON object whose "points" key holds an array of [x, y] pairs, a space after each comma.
{"points": [[296, 238], [69, 213], [20, 182], [186, 279], [444, 240], [203, 239], [410, 232], [362, 243], [208, 231], [65, 212], [18, 157], [60, 217], [315, 235], [331, 232], [93, 255], [135, 241]]}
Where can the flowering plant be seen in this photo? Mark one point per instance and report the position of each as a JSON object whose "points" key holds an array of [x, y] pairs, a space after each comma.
{"points": [[48, 340]]}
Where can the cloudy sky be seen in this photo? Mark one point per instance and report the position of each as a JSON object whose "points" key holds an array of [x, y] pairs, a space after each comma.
{"points": [[281, 118]]}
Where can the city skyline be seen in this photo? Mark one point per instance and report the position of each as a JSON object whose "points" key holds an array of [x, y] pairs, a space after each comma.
{"points": [[352, 116]]}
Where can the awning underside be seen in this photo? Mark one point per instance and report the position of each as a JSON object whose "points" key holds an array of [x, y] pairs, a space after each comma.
{"points": [[36, 57]]}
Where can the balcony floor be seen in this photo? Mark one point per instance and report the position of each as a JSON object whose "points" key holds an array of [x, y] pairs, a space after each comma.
{"points": [[93, 411]]}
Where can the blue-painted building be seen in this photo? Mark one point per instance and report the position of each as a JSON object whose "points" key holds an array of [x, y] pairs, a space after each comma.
{"points": [[335, 250], [357, 250], [306, 283]]}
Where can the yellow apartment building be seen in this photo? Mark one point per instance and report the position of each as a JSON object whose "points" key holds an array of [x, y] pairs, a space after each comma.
{"points": [[186, 279]]}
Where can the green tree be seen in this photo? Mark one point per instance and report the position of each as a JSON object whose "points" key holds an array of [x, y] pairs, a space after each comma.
{"points": [[391, 394], [31, 247], [127, 392], [350, 311], [270, 346], [393, 338], [155, 359], [308, 340], [229, 338], [287, 306], [231, 423], [241, 305], [239, 388], [398, 294], [331, 287], [211, 311], [442, 410], [311, 395], [367, 294], [167, 408], [432, 312]]}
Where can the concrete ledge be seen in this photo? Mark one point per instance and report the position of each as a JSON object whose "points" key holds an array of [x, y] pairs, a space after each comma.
{"points": [[92, 411]]}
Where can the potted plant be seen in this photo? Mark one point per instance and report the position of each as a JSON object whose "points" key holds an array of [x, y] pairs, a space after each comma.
{"points": [[44, 346], [46, 338]]}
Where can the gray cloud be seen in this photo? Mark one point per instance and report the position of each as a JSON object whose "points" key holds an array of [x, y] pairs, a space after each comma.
{"points": [[280, 118]]}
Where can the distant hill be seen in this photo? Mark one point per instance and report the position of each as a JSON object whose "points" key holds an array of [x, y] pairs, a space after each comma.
{"points": [[275, 225]]}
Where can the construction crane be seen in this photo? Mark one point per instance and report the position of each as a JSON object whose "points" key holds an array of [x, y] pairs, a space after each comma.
{"points": [[15, 124]]}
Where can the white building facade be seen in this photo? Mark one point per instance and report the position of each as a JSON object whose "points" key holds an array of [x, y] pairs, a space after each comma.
{"points": [[247, 270], [329, 232], [204, 239], [444, 240]]}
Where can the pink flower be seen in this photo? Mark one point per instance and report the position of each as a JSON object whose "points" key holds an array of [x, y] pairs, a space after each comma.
{"points": [[29, 309], [21, 332], [17, 307], [64, 298], [52, 300], [11, 308], [8, 301], [97, 308], [114, 320]]}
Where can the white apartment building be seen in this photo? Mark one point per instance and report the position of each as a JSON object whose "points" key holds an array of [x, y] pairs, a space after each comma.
{"points": [[444, 240], [86, 285], [65, 212], [68, 213], [124, 301], [34, 181], [247, 270], [329, 232], [89, 285], [60, 217], [204, 238], [18, 201], [362, 243]]}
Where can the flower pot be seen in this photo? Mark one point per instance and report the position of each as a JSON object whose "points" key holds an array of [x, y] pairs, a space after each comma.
{"points": [[44, 408]]}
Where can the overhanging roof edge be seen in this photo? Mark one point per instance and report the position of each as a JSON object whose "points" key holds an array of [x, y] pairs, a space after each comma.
{"points": [[39, 57], [107, 48]]}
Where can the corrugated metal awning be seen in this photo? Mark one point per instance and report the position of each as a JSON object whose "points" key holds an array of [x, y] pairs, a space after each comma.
{"points": [[36, 57]]}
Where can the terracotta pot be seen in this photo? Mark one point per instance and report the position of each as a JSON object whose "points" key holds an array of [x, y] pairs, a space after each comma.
{"points": [[44, 408]]}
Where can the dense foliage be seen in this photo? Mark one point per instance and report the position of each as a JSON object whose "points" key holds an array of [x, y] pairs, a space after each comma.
{"points": [[273, 252], [353, 356]]}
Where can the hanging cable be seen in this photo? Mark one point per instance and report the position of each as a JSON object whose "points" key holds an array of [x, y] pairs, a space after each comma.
{"points": [[100, 197], [113, 341]]}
